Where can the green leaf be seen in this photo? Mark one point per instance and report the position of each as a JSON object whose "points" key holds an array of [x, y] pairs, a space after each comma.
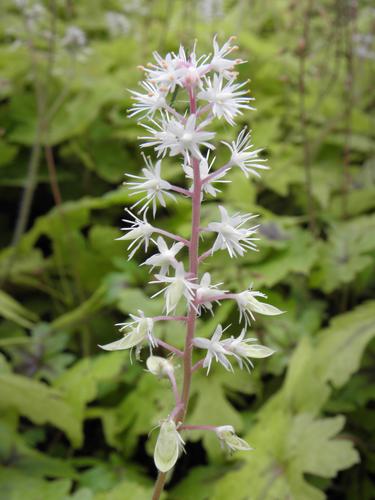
{"points": [[14, 311], [40, 403]]}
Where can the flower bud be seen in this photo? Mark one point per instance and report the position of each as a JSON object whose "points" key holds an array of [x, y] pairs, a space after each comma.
{"points": [[230, 440], [158, 366], [168, 446]]}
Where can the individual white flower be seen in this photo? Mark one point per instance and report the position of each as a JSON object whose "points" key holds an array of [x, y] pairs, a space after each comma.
{"points": [[168, 446], [215, 350], [191, 67], [147, 104], [220, 63], [178, 286], [140, 231], [226, 98], [166, 256], [248, 304], [140, 330], [179, 138], [231, 235], [230, 440], [206, 292], [243, 349], [118, 24], [166, 73], [151, 183], [74, 38], [158, 366], [243, 157], [204, 170]]}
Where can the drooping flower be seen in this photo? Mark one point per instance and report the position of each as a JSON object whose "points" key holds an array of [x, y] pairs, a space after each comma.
{"points": [[152, 184], [230, 440], [206, 293], [140, 231], [139, 331], [204, 170], [248, 304], [215, 349], [178, 286], [166, 256], [226, 98], [168, 446], [243, 349], [231, 235], [179, 138], [147, 104], [158, 366], [242, 156]]}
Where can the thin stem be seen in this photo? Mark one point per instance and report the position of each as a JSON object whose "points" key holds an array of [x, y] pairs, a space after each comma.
{"points": [[180, 190], [217, 173], [198, 365], [204, 255], [197, 428], [159, 485], [169, 347], [174, 387], [172, 236], [303, 52], [169, 318], [193, 270]]}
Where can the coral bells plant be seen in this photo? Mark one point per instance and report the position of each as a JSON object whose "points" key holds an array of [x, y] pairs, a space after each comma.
{"points": [[183, 95]]}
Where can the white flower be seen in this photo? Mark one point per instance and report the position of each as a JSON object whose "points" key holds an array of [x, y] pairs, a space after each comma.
{"points": [[206, 292], [151, 183], [248, 304], [141, 329], [158, 366], [179, 138], [226, 99], [215, 349], [118, 24], [243, 349], [242, 157], [230, 440], [166, 256], [140, 231], [204, 171], [220, 63], [166, 73], [149, 103], [74, 38], [168, 446], [179, 286], [231, 235]]}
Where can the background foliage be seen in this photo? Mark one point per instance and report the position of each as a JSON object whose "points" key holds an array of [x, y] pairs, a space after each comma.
{"points": [[73, 420]]}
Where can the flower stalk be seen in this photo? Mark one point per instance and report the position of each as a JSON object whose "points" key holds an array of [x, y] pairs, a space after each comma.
{"points": [[183, 131]]}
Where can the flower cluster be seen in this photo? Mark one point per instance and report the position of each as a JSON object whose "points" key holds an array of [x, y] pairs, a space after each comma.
{"points": [[180, 98]]}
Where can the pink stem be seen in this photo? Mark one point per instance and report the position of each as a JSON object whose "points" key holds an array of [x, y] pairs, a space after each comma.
{"points": [[197, 365], [180, 190], [193, 270], [172, 236], [169, 347], [197, 428], [174, 388], [205, 255], [169, 318], [216, 173]]}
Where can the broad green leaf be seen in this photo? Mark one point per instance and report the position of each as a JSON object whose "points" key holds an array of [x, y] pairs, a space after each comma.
{"points": [[40, 404]]}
